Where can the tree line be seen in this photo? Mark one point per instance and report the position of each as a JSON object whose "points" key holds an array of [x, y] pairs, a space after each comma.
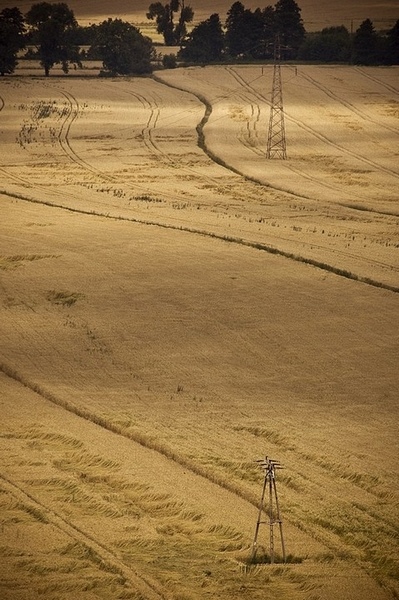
{"points": [[53, 35]]}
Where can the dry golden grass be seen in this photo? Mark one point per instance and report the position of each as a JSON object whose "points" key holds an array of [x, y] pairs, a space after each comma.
{"points": [[178, 312]]}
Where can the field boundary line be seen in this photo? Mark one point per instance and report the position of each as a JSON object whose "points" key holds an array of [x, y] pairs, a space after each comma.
{"points": [[224, 238]]}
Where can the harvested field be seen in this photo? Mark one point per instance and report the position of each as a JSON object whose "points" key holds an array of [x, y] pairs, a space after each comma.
{"points": [[175, 306]]}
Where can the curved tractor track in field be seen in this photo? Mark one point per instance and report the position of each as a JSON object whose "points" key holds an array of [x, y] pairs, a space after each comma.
{"points": [[236, 240], [150, 103], [262, 153], [148, 590], [63, 140], [64, 132]]}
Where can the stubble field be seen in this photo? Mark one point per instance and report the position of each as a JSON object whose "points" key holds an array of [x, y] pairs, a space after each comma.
{"points": [[174, 306]]}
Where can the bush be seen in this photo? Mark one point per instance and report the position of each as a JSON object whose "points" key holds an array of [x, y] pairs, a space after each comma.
{"points": [[169, 61]]}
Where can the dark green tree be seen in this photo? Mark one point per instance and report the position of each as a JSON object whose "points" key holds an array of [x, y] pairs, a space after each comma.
{"points": [[51, 30], [332, 44], [12, 29], [249, 34], [122, 48], [392, 45], [289, 27], [234, 41], [164, 15], [205, 43], [268, 33], [365, 44]]}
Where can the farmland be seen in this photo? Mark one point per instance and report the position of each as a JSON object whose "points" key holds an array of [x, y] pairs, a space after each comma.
{"points": [[174, 306]]}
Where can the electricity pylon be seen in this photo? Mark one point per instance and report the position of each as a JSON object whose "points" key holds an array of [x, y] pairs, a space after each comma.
{"points": [[273, 510], [276, 144]]}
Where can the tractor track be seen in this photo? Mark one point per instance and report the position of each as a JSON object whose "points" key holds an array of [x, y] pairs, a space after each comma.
{"points": [[219, 160], [151, 103], [148, 589], [258, 152], [64, 132], [63, 139], [255, 118], [388, 87], [364, 116], [262, 153], [147, 135]]}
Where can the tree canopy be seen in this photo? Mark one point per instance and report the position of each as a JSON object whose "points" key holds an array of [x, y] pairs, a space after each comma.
{"points": [[365, 44], [51, 29], [251, 34], [289, 27], [122, 48], [392, 50], [245, 31], [332, 44], [205, 43], [246, 35], [173, 33], [12, 29]]}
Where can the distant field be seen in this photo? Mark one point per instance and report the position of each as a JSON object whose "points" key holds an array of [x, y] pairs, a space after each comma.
{"points": [[316, 15], [174, 306]]}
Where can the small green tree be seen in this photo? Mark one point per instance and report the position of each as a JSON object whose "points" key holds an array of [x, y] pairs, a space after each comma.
{"points": [[164, 14], [205, 43], [51, 29], [12, 29], [169, 61], [122, 48]]}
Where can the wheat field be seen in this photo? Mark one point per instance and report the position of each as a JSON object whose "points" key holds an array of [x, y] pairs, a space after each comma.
{"points": [[174, 307]]}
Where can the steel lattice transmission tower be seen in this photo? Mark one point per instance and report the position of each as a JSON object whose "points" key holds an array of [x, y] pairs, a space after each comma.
{"points": [[276, 144], [273, 509]]}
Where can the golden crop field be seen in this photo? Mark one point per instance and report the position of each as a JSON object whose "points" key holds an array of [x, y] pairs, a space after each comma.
{"points": [[176, 306]]}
